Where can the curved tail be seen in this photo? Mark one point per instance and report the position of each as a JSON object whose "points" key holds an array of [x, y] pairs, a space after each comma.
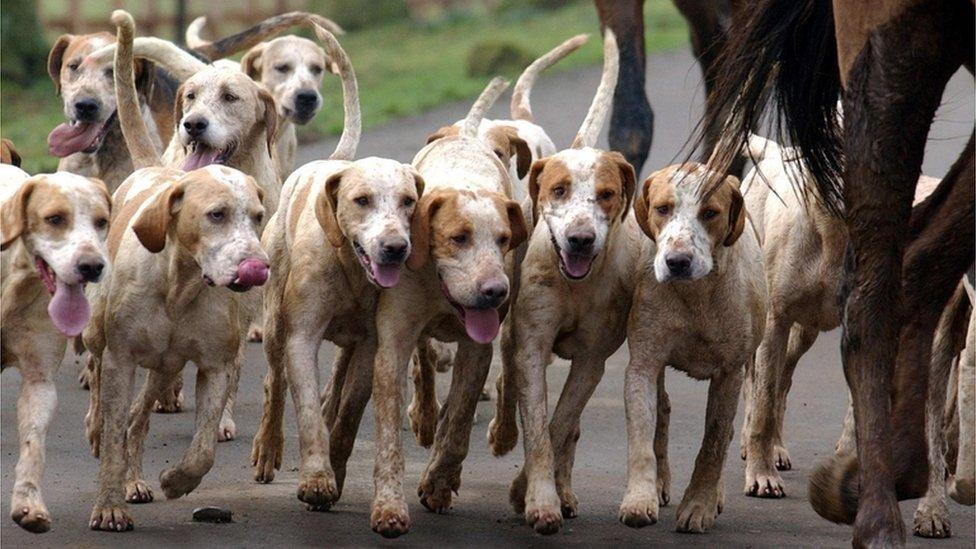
{"points": [[180, 64], [352, 124], [134, 129], [491, 93], [248, 38], [597, 115], [521, 109], [787, 47]]}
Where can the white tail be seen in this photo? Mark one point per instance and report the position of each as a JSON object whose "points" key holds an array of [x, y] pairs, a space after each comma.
{"points": [[521, 108], [597, 114], [491, 93]]}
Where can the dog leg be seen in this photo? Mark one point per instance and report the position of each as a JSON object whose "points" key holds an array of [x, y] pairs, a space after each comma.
{"points": [[356, 389], [847, 444], [747, 379], [227, 429], [93, 419], [269, 440], [703, 499], [962, 484], [116, 379], [503, 429], [136, 488], [443, 473], [213, 381], [762, 478], [423, 409], [641, 402], [661, 429], [800, 341], [332, 394], [35, 407], [171, 401]]}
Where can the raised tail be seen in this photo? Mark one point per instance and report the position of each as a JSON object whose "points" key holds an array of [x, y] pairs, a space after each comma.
{"points": [[597, 115], [788, 47], [250, 37], [491, 93], [134, 129], [521, 108], [352, 124], [180, 64]]}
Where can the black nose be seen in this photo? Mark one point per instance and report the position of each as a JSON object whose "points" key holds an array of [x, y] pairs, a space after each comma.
{"points": [[678, 264], [195, 126], [394, 251], [492, 293], [86, 110], [581, 240], [306, 99], [90, 271]]}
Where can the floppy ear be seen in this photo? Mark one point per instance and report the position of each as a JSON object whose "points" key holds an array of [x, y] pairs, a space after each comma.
{"points": [[641, 209], [418, 181], [516, 221], [420, 229], [331, 65], [737, 212], [9, 153], [56, 57], [327, 207], [251, 62], [442, 132], [520, 150], [270, 117], [153, 223], [629, 179], [145, 78], [178, 107], [537, 168], [13, 215]]}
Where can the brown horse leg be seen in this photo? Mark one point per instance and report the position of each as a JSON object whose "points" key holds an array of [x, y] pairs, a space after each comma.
{"points": [[632, 121]]}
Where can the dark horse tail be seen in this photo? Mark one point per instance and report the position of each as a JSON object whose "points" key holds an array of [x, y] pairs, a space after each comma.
{"points": [[783, 50]]}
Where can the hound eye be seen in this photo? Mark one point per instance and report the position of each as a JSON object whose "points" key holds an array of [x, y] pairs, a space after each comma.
{"points": [[282, 68], [316, 69], [503, 240], [605, 195], [361, 201], [101, 223], [109, 73], [407, 202], [559, 191], [216, 215], [459, 239], [709, 213], [54, 220], [191, 96], [74, 66], [257, 218], [663, 210], [500, 155], [230, 98]]}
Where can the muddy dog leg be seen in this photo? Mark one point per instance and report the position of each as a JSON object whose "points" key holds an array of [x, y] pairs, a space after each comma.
{"points": [[932, 515], [356, 388], [888, 107], [269, 441], [661, 430], [641, 401], [762, 478], [227, 429], [443, 473], [423, 409], [136, 488], [116, 380], [503, 429], [801, 339], [332, 394], [961, 484]]}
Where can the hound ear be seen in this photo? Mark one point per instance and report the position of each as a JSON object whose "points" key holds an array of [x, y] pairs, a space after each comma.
{"points": [[629, 179], [326, 210], [251, 62], [420, 229], [56, 58], [641, 210], [9, 154], [516, 221], [418, 181], [13, 215], [737, 212], [153, 223], [520, 150], [536, 169], [270, 118], [442, 132], [178, 107], [145, 78], [331, 65]]}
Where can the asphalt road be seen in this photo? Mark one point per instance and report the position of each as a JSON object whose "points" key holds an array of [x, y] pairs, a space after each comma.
{"points": [[270, 515]]}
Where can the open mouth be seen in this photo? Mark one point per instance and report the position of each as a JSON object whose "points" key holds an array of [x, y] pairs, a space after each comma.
{"points": [[383, 275], [76, 136], [481, 324], [68, 308], [573, 266], [202, 155]]}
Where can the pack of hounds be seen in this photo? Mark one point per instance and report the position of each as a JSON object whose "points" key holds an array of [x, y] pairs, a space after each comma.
{"points": [[178, 228]]}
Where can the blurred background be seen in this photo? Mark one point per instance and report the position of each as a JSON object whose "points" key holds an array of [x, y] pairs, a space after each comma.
{"points": [[409, 55]]}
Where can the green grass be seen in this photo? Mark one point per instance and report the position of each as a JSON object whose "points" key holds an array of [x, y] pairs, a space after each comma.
{"points": [[403, 69]]}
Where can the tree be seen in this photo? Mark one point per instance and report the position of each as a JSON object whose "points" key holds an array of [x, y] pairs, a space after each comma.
{"points": [[24, 57]]}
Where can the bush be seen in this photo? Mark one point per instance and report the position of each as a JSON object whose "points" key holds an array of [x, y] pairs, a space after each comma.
{"points": [[488, 59], [22, 42], [357, 14]]}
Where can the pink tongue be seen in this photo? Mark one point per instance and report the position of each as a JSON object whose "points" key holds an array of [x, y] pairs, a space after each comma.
{"points": [[387, 276], [576, 265], [67, 139], [68, 309], [203, 156], [481, 324], [252, 272]]}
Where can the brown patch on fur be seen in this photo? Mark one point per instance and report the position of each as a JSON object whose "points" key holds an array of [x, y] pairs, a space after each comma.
{"points": [[421, 226], [615, 175], [505, 143], [8, 154], [326, 208], [445, 131], [121, 217]]}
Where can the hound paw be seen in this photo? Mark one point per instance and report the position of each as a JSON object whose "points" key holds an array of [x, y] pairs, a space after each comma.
{"points": [[390, 519], [762, 483], [781, 457], [255, 333], [138, 491], [176, 482], [639, 510], [502, 436], [169, 404], [435, 492], [932, 520], [568, 502], [423, 420], [29, 512], [318, 490], [110, 518], [516, 493], [696, 513], [266, 451], [227, 430]]}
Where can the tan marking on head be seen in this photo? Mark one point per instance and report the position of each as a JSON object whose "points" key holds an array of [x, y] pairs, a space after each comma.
{"points": [[505, 142], [547, 179], [445, 131]]}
